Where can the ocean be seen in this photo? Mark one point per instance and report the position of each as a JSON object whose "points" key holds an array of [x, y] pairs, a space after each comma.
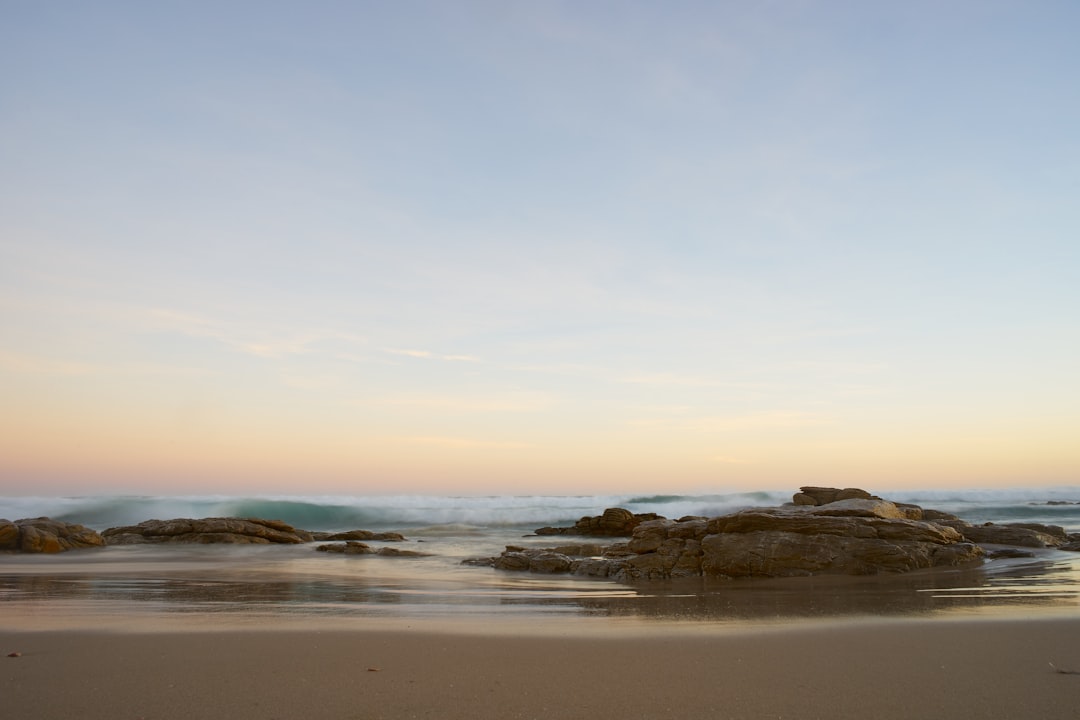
{"points": [[123, 586]]}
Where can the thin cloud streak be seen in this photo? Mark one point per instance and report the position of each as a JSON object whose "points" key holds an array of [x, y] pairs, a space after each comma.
{"points": [[458, 443], [428, 355]]}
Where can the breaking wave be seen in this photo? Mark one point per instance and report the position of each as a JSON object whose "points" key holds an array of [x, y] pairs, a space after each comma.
{"points": [[437, 512]]}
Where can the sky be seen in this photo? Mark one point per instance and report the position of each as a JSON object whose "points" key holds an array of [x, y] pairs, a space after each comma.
{"points": [[538, 247]]}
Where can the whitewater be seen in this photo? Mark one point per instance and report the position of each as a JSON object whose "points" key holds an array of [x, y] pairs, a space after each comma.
{"points": [[1051, 505]]}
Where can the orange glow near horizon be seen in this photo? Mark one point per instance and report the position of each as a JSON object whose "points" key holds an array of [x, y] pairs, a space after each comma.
{"points": [[71, 453]]}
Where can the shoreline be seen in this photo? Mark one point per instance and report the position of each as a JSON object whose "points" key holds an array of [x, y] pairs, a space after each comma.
{"points": [[220, 588], [895, 668]]}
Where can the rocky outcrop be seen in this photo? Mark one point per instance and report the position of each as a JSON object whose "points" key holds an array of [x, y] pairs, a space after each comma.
{"points": [[817, 496], [858, 535], [824, 495], [9, 535], [45, 535], [1021, 534], [781, 543], [359, 535], [614, 522], [207, 530], [593, 560], [358, 548]]}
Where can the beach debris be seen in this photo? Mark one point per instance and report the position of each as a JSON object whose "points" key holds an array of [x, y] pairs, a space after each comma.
{"points": [[14, 654], [374, 669], [1063, 671]]}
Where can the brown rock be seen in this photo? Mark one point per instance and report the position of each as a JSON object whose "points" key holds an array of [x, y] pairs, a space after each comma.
{"points": [[347, 548], [614, 522], [207, 530], [596, 567], [649, 566], [931, 515], [911, 512], [1055, 531], [786, 554], [1022, 535], [353, 547], [823, 495], [45, 535], [860, 507], [512, 560], [582, 550], [827, 530], [9, 535], [364, 535], [813, 523], [398, 552], [650, 535], [549, 562]]}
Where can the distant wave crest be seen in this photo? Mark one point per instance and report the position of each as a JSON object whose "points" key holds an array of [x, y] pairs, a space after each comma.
{"points": [[434, 513]]}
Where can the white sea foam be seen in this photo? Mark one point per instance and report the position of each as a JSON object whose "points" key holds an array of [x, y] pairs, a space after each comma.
{"points": [[335, 512]]}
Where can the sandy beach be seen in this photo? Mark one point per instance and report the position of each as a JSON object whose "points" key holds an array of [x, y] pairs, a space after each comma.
{"points": [[896, 669]]}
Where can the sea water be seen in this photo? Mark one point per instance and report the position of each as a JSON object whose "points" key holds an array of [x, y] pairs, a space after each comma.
{"points": [[121, 585]]}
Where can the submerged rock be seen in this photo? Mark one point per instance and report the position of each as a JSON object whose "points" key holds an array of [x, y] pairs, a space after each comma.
{"points": [[359, 535], [45, 535], [207, 530], [353, 547]]}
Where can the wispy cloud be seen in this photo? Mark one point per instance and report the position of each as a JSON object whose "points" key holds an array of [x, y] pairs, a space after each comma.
{"points": [[759, 421], [409, 353], [265, 343], [679, 380], [731, 423], [428, 355], [510, 402], [21, 363], [458, 443], [36, 365], [728, 460]]}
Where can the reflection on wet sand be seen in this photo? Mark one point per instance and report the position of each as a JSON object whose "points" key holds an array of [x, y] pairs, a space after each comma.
{"points": [[1047, 585], [297, 584]]}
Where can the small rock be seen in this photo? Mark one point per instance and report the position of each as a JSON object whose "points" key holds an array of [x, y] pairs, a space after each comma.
{"points": [[1002, 553]]}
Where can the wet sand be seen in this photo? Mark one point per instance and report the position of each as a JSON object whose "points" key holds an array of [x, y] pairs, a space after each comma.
{"points": [[890, 669]]}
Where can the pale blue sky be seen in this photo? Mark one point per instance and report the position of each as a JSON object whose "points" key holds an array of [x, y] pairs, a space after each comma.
{"points": [[496, 245]]}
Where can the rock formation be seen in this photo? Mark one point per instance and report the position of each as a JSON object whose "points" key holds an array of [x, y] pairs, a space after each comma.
{"points": [[207, 530], [358, 548], [823, 495], [1021, 534], [615, 522], [45, 535], [359, 535], [866, 540], [853, 533]]}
